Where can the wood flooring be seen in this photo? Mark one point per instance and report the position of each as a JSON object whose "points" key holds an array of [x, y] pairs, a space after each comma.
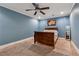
{"points": [[26, 47]]}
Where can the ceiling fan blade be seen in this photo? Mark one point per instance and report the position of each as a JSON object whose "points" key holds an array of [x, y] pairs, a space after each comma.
{"points": [[44, 8], [30, 9], [35, 5], [35, 13], [42, 12]]}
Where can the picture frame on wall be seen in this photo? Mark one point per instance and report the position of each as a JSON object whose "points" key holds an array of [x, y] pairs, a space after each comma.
{"points": [[51, 22]]}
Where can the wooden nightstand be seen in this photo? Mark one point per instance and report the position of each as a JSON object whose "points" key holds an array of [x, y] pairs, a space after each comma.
{"points": [[67, 36]]}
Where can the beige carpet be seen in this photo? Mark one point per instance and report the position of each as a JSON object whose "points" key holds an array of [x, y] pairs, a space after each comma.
{"points": [[27, 48]]}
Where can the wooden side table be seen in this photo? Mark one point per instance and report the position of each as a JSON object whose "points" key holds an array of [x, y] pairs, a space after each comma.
{"points": [[67, 36]]}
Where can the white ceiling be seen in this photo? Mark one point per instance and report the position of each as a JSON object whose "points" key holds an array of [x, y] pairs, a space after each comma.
{"points": [[54, 11]]}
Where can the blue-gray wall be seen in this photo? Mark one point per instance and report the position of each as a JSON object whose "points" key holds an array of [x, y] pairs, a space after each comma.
{"points": [[61, 23], [74, 22], [15, 26]]}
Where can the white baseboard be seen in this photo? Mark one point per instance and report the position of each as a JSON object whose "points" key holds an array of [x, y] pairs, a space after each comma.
{"points": [[77, 50], [12, 43]]}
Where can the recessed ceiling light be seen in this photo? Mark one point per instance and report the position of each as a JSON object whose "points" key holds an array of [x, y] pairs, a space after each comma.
{"points": [[61, 12]]}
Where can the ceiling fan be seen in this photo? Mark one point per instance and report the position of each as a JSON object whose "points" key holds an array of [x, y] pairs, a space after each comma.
{"points": [[37, 8]]}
